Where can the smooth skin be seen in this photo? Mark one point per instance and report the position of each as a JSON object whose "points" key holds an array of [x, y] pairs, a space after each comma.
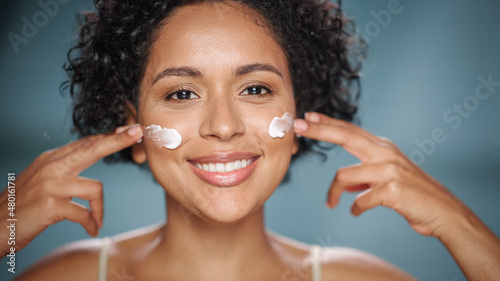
{"points": [[220, 240]]}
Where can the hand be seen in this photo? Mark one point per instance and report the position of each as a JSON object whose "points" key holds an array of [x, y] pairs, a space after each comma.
{"points": [[45, 189], [386, 176]]}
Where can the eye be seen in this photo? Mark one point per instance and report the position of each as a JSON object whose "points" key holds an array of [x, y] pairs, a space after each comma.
{"points": [[182, 95], [257, 90]]}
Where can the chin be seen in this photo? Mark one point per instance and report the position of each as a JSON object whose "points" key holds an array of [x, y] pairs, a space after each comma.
{"points": [[228, 215], [228, 206]]}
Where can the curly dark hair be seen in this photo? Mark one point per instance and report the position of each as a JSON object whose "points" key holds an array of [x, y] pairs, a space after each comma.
{"points": [[107, 65]]}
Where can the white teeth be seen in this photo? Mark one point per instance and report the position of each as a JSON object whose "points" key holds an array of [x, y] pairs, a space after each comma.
{"points": [[230, 167], [221, 168], [211, 168], [224, 167]]}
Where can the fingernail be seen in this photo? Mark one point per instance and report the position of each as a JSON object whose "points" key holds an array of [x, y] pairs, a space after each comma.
{"points": [[312, 117], [133, 130], [300, 125], [120, 129]]}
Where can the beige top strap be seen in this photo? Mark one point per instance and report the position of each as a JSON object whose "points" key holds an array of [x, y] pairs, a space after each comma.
{"points": [[103, 259], [316, 262]]}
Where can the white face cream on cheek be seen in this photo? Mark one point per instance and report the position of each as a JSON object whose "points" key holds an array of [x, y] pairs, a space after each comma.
{"points": [[281, 125], [168, 138]]}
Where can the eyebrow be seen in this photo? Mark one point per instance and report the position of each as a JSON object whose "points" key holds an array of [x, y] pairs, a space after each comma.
{"points": [[195, 73], [178, 71], [242, 70]]}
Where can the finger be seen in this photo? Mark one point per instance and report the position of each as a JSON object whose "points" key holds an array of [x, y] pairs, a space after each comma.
{"points": [[357, 188], [96, 147], [358, 177], [75, 212], [366, 200], [387, 195], [354, 142], [62, 150], [316, 117], [88, 189]]}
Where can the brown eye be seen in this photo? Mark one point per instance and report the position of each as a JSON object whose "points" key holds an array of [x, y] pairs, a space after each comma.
{"points": [[182, 95], [256, 90]]}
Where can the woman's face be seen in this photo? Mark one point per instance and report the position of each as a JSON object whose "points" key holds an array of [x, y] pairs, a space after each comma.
{"points": [[218, 78]]}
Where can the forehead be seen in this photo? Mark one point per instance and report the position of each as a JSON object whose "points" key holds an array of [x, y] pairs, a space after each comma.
{"points": [[214, 36]]}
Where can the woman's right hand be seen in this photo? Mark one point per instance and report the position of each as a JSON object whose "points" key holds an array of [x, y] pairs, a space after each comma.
{"points": [[44, 190]]}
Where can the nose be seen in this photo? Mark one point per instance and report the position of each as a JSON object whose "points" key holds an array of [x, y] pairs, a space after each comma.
{"points": [[222, 120]]}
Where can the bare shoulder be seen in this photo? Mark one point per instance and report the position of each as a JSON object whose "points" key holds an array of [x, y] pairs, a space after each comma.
{"points": [[73, 261], [339, 263], [79, 260], [352, 264]]}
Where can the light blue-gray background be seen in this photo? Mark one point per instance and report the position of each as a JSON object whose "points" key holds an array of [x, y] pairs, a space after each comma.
{"points": [[425, 60]]}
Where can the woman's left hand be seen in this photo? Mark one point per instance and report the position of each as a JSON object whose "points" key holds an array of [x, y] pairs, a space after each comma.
{"points": [[387, 177], [390, 179]]}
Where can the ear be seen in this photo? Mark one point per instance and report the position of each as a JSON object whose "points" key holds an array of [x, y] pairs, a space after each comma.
{"points": [[295, 146], [138, 152]]}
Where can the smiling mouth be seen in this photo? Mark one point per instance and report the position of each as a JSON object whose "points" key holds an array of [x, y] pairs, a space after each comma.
{"points": [[224, 167]]}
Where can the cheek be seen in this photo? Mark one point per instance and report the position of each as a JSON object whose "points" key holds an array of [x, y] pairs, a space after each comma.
{"points": [[167, 162], [168, 131], [264, 127], [162, 136]]}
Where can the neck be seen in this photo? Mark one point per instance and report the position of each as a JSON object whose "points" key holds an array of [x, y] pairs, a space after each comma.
{"points": [[216, 248]]}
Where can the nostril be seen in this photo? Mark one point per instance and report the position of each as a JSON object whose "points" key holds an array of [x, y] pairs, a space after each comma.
{"points": [[223, 123]]}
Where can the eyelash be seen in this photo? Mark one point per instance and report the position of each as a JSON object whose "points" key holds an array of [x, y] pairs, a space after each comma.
{"points": [[170, 96], [266, 87], [269, 89]]}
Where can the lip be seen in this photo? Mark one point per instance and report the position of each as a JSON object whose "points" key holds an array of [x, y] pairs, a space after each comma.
{"points": [[225, 179]]}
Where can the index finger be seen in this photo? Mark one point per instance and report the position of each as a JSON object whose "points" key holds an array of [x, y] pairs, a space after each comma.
{"points": [[93, 148], [359, 145], [317, 117]]}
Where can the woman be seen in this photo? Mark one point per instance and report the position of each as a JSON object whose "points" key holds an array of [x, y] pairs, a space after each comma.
{"points": [[219, 72]]}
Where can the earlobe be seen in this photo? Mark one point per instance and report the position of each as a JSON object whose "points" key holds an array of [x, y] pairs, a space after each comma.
{"points": [[137, 150]]}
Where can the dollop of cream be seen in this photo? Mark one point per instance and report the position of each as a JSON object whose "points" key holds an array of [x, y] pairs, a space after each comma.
{"points": [[280, 125], [168, 138]]}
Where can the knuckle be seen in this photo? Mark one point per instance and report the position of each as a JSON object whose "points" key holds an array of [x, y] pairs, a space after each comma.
{"points": [[89, 143], [387, 144], [387, 147], [42, 158], [45, 187], [97, 188], [384, 140], [47, 170], [55, 169], [391, 171], [393, 189], [49, 205], [342, 174], [46, 154]]}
